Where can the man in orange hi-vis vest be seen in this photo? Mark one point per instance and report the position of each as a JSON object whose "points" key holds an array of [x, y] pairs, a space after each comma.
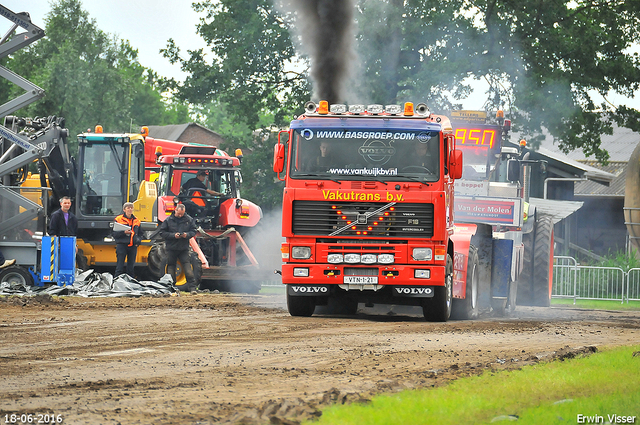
{"points": [[126, 233]]}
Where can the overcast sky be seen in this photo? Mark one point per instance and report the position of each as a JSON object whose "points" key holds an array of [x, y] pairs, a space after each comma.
{"points": [[148, 24]]}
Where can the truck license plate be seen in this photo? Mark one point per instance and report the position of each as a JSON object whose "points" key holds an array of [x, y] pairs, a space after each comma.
{"points": [[361, 279]]}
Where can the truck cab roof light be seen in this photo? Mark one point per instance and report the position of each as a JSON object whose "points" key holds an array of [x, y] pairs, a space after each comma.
{"points": [[393, 109], [356, 109], [408, 109], [422, 110], [323, 107], [338, 108], [98, 129], [375, 109]]}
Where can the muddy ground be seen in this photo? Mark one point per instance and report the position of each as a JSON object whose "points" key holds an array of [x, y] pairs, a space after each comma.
{"points": [[220, 358]]}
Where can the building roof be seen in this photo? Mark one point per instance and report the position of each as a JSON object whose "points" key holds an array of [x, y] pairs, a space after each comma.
{"points": [[174, 131], [562, 166], [620, 145], [557, 210], [615, 188]]}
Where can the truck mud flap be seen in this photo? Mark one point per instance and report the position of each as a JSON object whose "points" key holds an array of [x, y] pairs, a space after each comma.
{"points": [[413, 291], [308, 290]]}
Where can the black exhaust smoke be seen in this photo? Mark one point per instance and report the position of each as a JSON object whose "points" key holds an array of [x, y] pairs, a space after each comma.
{"points": [[325, 27]]}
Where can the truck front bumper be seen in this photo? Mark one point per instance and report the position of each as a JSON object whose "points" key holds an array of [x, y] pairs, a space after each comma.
{"points": [[363, 277]]}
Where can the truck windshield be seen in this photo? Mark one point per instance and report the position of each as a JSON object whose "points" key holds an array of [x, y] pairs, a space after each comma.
{"points": [[356, 154], [102, 184], [172, 180], [475, 162]]}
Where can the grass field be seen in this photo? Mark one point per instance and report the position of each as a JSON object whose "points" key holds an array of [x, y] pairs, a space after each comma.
{"points": [[597, 387], [596, 304]]}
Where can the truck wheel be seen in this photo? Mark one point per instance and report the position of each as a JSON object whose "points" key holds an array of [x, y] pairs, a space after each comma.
{"points": [[536, 279], [543, 263], [438, 308], [16, 275], [467, 308], [524, 281], [300, 306]]}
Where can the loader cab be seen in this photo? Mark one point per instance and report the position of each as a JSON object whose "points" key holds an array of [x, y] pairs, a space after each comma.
{"points": [[112, 171]]}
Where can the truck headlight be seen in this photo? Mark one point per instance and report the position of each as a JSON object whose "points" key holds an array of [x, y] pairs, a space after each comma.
{"points": [[352, 258], [335, 258], [368, 258], [422, 254], [301, 252], [301, 272], [385, 258]]}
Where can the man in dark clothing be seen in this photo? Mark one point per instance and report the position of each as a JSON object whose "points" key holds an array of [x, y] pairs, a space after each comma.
{"points": [[176, 230], [63, 222], [197, 189], [198, 183], [127, 241]]}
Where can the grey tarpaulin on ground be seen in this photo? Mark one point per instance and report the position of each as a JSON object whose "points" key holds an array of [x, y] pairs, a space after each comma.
{"points": [[92, 284]]}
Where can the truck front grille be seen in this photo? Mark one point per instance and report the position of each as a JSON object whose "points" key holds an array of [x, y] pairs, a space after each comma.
{"points": [[401, 220]]}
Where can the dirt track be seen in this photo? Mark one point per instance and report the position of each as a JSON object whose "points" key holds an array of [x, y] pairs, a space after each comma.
{"points": [[215, 358]]}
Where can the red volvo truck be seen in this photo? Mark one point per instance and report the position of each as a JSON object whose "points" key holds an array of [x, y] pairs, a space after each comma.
{"points": [[368, 213]]}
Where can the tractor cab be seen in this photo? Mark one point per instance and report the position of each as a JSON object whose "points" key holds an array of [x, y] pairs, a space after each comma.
{"points": [[203, 178]]}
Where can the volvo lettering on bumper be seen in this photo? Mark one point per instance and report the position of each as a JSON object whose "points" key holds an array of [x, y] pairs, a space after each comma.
{"points": [[308, 290], [413, 291]]}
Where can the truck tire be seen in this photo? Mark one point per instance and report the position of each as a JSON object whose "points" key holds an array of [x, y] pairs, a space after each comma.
{"points": [[534, 283], [526, 276], [300, 306], [467, 308], [543, 263], [438, 308]]}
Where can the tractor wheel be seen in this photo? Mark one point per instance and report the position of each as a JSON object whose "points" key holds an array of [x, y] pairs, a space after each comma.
{"points": [[526, 276], [534, 283], [300, 306], [157, 261], [82, 263], [16, 275], [467, 308], [438, 308], [543, 263], [197, 268]]}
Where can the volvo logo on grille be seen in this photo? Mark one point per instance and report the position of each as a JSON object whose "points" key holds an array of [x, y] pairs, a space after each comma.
{"points": [[376, 152]]}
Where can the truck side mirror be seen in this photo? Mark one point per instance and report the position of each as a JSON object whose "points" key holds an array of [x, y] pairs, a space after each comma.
{"points": [[278, 158], [455, 164], [513, 170]]}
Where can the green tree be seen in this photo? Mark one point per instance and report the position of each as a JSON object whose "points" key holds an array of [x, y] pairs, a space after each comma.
{"points": [[260, 184], [253, 66], [542, 60], [89, 76]]}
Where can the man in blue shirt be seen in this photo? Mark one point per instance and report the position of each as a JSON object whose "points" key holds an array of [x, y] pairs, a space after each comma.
{"points": [[63, 222]]}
